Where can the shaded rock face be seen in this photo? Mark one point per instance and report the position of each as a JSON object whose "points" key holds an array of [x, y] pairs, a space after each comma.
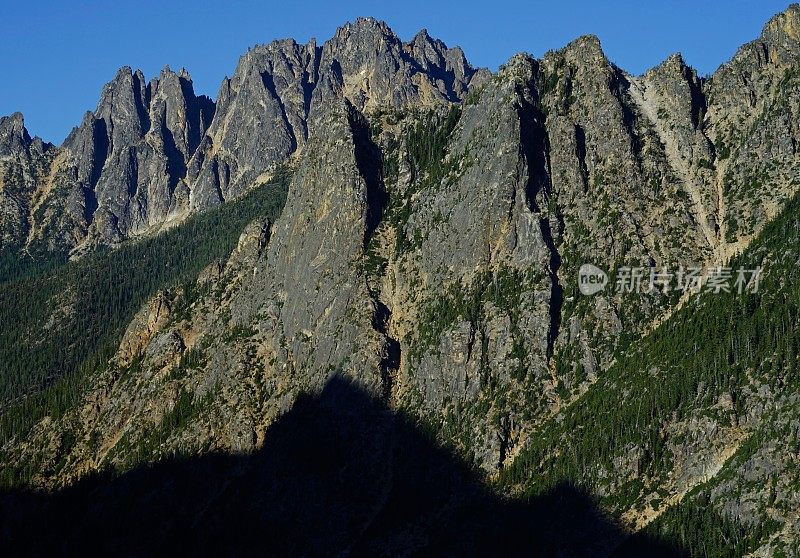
{"points": [[337, 451], [432, 235]]}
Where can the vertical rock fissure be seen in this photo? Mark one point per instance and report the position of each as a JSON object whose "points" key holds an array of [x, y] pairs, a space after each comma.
{"points": [[100, 140], [89, 204], [535, 149], [194, 119], [504, 440], [390, 360], [620, 86], [217, 182], [368, 160], [556, 289], [133, 180], [580, 151], [139, 102], [535, 144], [698, 98], [176, 166], [310, 82]]}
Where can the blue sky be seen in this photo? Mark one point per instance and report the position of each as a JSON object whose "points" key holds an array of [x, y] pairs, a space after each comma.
{"points": [[55, 56]]}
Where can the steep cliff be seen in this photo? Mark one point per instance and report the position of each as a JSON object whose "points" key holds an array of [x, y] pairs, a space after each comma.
{"points": [[427, 251]]}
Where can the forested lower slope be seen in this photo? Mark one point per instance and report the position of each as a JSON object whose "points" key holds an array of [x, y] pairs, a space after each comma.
{"points": [[61, 324], [687, 416], [425, 252]]}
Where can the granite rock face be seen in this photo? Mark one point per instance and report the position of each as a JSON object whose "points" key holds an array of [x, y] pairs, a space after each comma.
{"points": [[752, 108], [130, 155], [24, 162], [307, 292], [122, 172], [369, 65], [266, 109], [430, 243], [261, 120], [153, 152]]}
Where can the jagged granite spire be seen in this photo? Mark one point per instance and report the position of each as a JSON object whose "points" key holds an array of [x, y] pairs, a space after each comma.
{"points": [[123, 169], [152, 152], [443, 279], [266, 108], [261, 119], [13, 135], [23, 164]]}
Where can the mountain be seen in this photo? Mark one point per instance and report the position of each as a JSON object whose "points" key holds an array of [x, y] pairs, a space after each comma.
{"points": [[183, 276], [153, 152]]}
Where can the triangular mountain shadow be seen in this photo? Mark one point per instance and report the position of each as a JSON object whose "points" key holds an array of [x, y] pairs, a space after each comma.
{"points": [[338, 475]]}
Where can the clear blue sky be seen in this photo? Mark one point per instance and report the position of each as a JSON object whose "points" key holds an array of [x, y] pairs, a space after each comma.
{"points": [[55, 56]]}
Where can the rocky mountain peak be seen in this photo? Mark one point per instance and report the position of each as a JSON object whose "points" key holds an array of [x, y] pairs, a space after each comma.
{"points": [[179, 111], [423, 36], [784, 26], [674, 67], [129, 108], [423, 42], [673, 62], [433, 55], [122, 107], [166, 72], [520, 67], [13, 135], [154, 150], [266, 110], [587, 48], [23, 161], [385, 221], [581, 60], [368, 64], [364, 30], [778, 45], [123, 168]]}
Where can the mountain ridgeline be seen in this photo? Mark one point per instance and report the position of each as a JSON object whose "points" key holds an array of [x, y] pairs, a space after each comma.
{"points": [[374, 234]]}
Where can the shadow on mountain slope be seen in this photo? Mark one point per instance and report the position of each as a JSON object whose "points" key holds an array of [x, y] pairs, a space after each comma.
{"points": [[337, 475]]}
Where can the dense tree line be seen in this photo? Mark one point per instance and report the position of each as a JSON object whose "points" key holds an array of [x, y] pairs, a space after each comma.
{"points": [[426, 151], [695, 528], [709, 349], [61, 323]]}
